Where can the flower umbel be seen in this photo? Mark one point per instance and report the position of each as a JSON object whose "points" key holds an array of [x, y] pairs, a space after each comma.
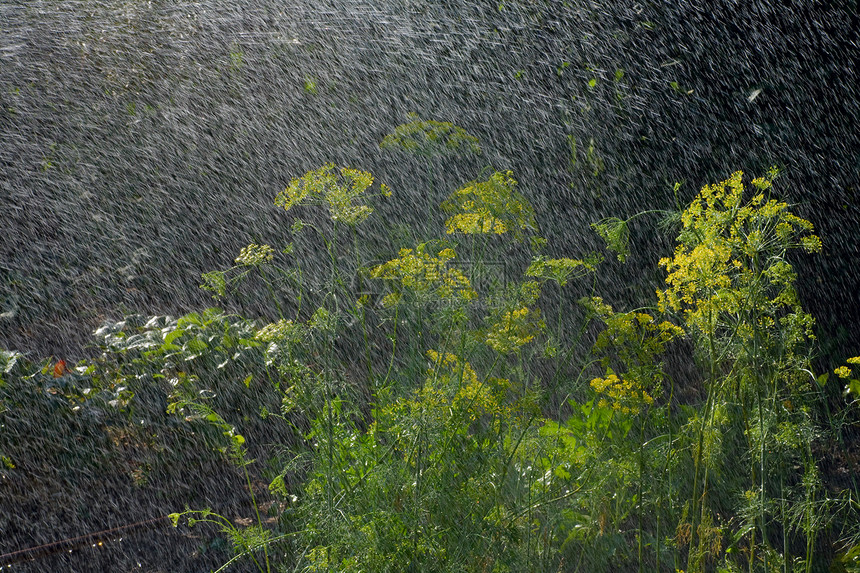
{"points": [[561, 270], [727, 248], [625, 395], [491, 206], [254, 255], [426, 275], [843, 372], [429, 137], [513, 329], [337, 188]]}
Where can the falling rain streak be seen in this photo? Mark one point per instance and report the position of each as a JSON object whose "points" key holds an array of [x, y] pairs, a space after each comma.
{"points": [[143, 143]]}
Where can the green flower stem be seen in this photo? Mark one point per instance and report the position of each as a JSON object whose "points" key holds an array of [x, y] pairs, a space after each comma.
{"points": [[329, 466], [709, 404], [272, 292], [762, 439], [641, 491], [393, 346], [362, 317], [300, 286], [541, 503], [257, 513], [569, 353], [238, 556]]}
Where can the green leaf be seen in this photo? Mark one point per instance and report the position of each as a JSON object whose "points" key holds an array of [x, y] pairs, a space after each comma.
{"points": [[173, 335], [615, 233], [195, 345], [169, 348], [560, 472], [278, 486], [191, 318], [8, 359]]}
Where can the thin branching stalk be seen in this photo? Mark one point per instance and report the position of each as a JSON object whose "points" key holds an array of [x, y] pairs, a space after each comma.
{"points": [[256, 512], [363, 316]]}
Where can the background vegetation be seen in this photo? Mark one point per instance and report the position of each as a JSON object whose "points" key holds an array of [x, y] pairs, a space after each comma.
{"points": [[142, 143], [424, 408]]}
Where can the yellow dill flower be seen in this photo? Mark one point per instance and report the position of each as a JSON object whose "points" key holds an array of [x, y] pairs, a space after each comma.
{"points": [[762, 184], [854, 360], [625, 395], [491, 206], [426, 275], [561, 270], [430, 137], [391, 299], [336, 188], [514, 329], [843, 372], [254, 255], [446, 254], [727, 248], [599, 384], [453, 390], [811, 244], [596, 305], [447, 368]]}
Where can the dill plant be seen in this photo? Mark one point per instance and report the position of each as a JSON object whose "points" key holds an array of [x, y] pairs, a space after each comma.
{"points": [[732, 286], [428, 140], [450, 469], [479, 435], [454, 451], [451, 462]]}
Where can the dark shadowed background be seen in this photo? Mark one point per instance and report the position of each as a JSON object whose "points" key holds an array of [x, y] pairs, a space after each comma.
{"points": [[143, 142]]}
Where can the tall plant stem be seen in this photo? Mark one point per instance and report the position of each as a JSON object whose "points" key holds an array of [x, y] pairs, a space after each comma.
{"points": [[416, 502], [641, 476], [257, 512], [335, 279], [709, 404], [763, 525], [810, 504], [272, 293], [329, 466], [784, 519], [393, 346], [363, 317], [753, 479], [563, 362]]}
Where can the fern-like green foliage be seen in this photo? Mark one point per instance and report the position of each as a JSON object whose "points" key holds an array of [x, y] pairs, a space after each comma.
{"points": [[561, 270], [449, 448], [615, 233]]}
